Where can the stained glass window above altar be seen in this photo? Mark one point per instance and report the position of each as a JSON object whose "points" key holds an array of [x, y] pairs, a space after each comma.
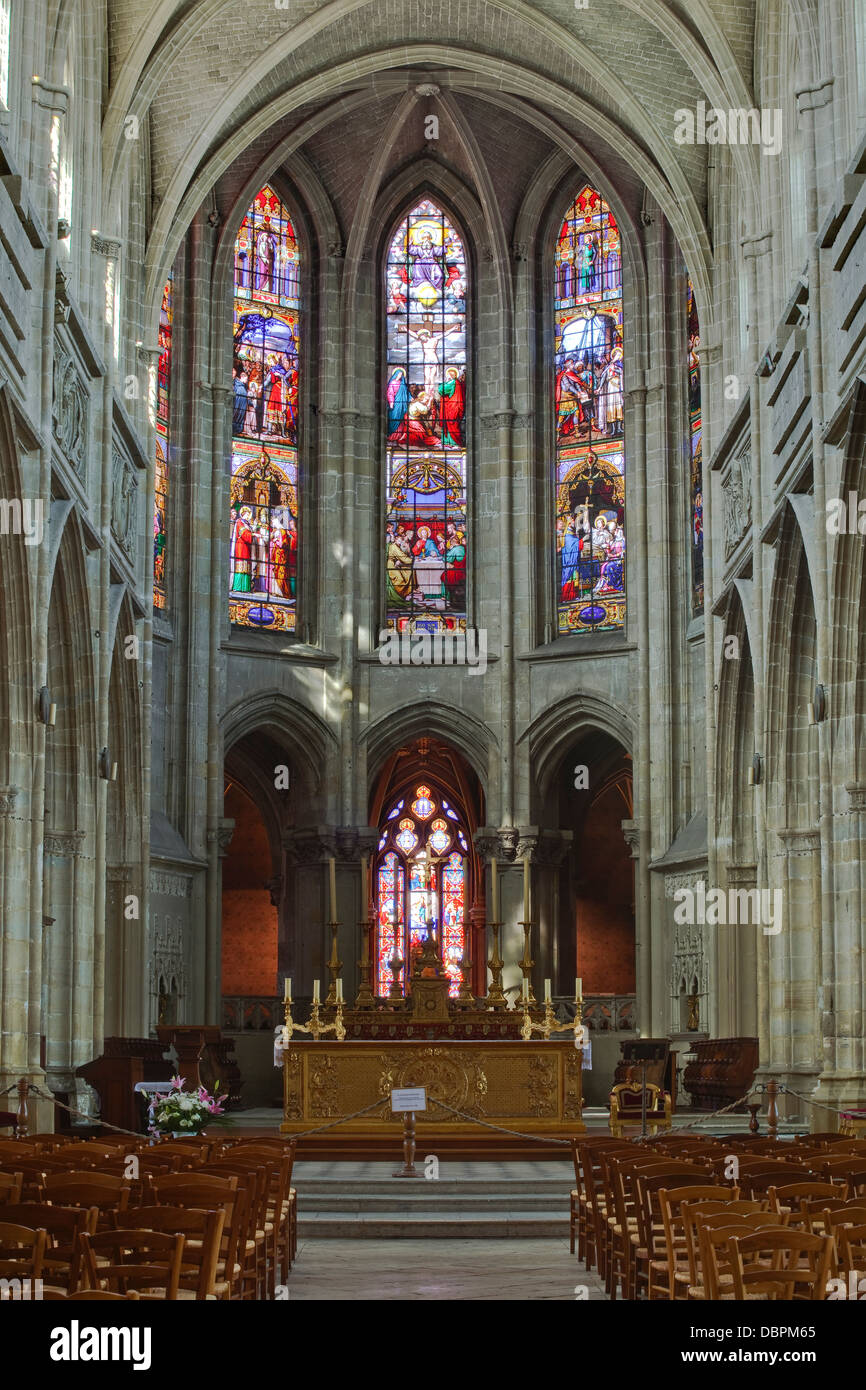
{"points": [[421, 886]]}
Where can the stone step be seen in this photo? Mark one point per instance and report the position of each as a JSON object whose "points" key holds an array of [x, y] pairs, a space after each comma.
{"points": [[508, 1223], [430, 1203], [434, 1190]]}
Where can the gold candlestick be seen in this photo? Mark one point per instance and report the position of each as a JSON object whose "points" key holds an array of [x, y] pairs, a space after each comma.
{"points": [[334, 967], [465, 997], [527, 962], [365, 998], [495, 998], [396, 963]]}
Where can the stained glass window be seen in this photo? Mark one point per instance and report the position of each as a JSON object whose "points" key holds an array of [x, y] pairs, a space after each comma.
{"points": [[590, 472], [163, 389], [425, 390], [415, 871], [265, 372], [695, 451]]}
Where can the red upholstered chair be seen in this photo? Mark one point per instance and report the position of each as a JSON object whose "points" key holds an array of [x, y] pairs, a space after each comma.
{"points": [[626, 1108]]}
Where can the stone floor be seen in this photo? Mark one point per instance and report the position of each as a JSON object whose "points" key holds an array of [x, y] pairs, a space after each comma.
{"points": [[441, 1270]]}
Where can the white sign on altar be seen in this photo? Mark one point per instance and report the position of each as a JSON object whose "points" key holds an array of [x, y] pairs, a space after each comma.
{"points": [[409, 1098]]}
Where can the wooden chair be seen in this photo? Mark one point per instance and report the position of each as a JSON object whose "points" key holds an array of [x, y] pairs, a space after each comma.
{"points": [[652, 1271], [257, 1176], [22, 1251], [90, 1153], [823, 1136], [10, 1187], [202, 1231], [590, 1196], [692, 1215], [213, 1192], [33, 1171], [139, 1259], [676, 1266], [788, 1199], [758, 1181], [282, 1199], [850, 1171], [851, 1246], [191, 1152], [108, 1193], [799, 1264], [716, 1276], [623, 1222], [90, 1295], [16, 1148], [63, 1226]]}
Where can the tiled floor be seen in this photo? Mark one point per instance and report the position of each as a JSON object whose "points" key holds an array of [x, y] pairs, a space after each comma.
{"points": [[443, 1270]]}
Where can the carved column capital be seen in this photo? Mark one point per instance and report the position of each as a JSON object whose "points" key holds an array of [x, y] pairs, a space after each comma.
{"points": [[8, 797], [631, 835]]}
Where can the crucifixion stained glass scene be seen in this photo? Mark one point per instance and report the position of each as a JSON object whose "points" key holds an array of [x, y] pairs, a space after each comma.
{"points": [[422, 860], [265, 374], [425, 387], [590, 471]]}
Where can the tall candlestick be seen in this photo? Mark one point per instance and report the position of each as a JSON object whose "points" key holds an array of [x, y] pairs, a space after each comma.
{"points": [[547, 991], [315, 991], [526, 916], [494, 890], [332, 870]]}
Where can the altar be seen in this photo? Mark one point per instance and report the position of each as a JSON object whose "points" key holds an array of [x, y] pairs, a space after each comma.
{"points": [[531, 1087]]}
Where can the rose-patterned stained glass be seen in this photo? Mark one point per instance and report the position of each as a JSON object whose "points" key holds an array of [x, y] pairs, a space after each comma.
{"points": [[453, 915], [588, 419], [163, 390], [422, 805], [265, 385], [695, 452], [389, 919], [425, 402], [435, 886], [439, 838], [406, 839]]}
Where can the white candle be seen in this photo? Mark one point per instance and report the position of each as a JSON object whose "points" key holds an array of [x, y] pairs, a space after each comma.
{"points": [[288, 993], [339, 991], [315, 991], [494, 891], [547, 991], [526, 916], [332, 869], [525, 991], [578, 988]]}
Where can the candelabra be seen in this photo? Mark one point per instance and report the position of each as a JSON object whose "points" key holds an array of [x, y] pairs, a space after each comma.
{"points": [[527, 963], [315, 1027], [549, 1025], [334, 968], [495, 997]]}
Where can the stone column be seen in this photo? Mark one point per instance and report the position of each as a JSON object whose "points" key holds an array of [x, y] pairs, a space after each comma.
{"points": [[738, 1007], [794, 961]]}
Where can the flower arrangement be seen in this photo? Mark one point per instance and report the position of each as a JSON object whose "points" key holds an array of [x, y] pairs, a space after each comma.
{"points": [[184, 1112]]}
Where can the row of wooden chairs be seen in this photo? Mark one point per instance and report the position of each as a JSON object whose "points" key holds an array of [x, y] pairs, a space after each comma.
{"points": [[626, 1222], [222, 1215]]}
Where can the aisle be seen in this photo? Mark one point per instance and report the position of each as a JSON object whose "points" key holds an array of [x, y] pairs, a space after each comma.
{"points": [[446, 1270]]}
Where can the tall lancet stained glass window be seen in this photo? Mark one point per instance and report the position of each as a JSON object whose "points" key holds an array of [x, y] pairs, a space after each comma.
{"points": [[696, 483], [426, 393], [590, 472], [421, 882], [265, 372], [163, 389]]}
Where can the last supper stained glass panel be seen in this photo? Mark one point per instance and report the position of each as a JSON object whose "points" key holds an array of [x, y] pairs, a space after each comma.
{"points": [[265, 385], [588, 419], [425, 391]]}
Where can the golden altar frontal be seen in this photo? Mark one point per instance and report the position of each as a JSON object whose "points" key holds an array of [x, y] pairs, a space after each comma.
{"points": [[533, 1087]]}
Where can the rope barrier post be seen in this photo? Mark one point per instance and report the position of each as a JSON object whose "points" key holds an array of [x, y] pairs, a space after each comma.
{"points": [[408, 1170], [21, 1121]]}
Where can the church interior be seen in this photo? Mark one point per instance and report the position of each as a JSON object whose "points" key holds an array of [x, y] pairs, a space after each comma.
{"points": [[432, 609]]}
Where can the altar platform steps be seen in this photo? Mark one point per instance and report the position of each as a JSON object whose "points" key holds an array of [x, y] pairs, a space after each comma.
{"points": [[469, 1201]]}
